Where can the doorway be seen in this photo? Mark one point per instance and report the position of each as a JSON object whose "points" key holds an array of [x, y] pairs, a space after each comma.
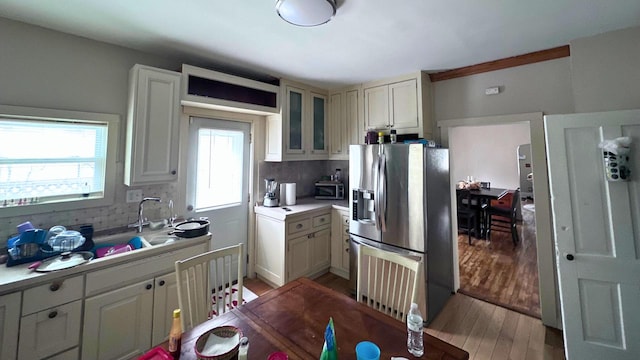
{"points": [[493, 268], [218, 178], [548, 296]]}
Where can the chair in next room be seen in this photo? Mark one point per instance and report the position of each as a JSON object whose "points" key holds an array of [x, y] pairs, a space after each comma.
{"points": [[504, 218], [467, 213]]}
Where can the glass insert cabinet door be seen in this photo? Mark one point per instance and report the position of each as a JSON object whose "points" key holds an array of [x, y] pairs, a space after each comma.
{"points": [[319, 110], [295, 112]]}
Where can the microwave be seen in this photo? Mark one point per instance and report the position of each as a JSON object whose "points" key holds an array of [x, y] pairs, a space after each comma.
{"points": [[329, 190]]}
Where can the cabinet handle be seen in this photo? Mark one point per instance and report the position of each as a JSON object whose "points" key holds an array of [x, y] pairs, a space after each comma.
{"points": [[161, 283], [321, 219], [339, 150], [346, 240], [570, 257], [299, 226], [173, 172], [54, 287], [149, 286], [347, 249], [53, 314]]}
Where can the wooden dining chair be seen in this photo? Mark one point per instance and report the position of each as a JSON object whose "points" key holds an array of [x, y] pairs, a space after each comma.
{"points": [[205, 284], [504, 218], [387, 281], [467, 213]]}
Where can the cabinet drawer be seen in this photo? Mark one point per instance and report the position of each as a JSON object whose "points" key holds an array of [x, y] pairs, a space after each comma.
{"points": [[50, 331], [321, 220], [117, 276], [298, 226], [52, 294]]}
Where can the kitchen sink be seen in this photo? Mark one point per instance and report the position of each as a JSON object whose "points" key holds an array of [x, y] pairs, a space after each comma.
{"points": [[116, 243]]}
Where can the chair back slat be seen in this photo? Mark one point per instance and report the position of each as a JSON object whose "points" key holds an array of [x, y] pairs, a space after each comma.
{"points": [[387, 282], [205, 277]]}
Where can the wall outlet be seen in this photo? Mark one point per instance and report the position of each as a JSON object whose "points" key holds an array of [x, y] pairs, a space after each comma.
{"points": [[134, 196]]}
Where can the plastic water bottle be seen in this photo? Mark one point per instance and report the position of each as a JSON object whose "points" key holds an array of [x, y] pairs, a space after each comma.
{"points": [[415, 344]]}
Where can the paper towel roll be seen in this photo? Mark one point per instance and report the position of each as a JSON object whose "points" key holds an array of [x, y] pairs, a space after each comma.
{"points": [[291, 194], [283, 194]]}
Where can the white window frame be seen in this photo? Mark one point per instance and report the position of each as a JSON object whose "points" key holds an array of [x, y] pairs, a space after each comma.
{"points": [[113, 130]]}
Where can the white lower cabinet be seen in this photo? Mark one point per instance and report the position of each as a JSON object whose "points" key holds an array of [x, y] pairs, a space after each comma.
{"points": [[126, 322], [121, 322], [117, 324], [299, 257], [319, 242], [340, 243], [128, 309], [9, 322], [291, 248], [165, 300], [50, 331], [51, 318]]}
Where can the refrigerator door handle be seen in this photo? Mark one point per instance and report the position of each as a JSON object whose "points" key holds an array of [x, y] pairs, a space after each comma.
{"points": [[382, 196], [376, 200]]}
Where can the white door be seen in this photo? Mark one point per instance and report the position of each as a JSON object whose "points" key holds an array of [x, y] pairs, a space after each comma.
{"points": [[597, 235], [218, 178]]}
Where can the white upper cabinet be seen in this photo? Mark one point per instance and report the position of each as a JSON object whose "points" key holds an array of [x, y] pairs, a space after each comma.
{"points": [[403, 104], [344, 122], [299, 131], [152, 126]]}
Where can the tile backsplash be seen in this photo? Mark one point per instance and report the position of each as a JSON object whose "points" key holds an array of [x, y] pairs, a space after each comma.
{"points": [[303, 173], [117, 215], [120, 213]]}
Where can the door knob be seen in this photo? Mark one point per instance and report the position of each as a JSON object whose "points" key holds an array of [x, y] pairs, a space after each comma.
{"points": [[570, 257]]}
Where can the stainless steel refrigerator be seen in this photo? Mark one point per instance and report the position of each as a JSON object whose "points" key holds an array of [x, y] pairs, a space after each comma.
{"points": [[525, 171], [400, 201]]}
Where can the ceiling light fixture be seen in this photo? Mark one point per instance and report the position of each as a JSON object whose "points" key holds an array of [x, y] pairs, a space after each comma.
{"points": [[306, 12]]}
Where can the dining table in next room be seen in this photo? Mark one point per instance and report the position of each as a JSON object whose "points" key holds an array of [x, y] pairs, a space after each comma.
{"points": [[293, 319], [484, 196]]}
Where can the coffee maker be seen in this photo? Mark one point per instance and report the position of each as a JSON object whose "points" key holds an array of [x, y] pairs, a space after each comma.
{"points": [[270, 199]]}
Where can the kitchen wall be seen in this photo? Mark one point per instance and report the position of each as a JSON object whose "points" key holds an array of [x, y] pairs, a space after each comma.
{"points": [[303, 173], [605, 71], [543, 86], [488, 153], [49, 69]]}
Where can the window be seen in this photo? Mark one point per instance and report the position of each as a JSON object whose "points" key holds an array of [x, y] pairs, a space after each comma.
{"points": [[56, 157], [219, 170]]}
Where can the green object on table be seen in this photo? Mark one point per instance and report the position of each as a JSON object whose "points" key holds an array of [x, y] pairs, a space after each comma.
{"points": [[330, 347]]}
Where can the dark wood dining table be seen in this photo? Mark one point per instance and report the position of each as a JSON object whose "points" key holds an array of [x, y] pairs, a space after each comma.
{"points": [[293, 319]]}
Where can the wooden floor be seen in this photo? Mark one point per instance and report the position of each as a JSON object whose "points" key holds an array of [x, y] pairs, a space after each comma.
{"points": [[500, 273], [484, 330]]}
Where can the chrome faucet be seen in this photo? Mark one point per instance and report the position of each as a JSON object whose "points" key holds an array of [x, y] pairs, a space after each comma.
{"points": [[172, 216], [141, 222]]}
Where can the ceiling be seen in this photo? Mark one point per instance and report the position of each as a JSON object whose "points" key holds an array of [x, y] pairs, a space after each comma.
{"points": [[366, 40]]}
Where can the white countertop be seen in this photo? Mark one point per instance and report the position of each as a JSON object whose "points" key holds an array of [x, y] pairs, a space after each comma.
{"points": [[302, 205], [19, 276]]}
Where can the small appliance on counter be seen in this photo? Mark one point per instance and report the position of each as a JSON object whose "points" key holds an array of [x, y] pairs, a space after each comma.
{"points": [[270, 199], [329, 190]]}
